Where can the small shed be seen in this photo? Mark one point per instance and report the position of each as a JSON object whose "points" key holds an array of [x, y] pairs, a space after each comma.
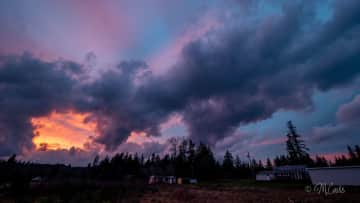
{"points": [[343, 175], [185, 180], [193, 181], [162, 179], [169, 179], [265, 176], [36, 181], [153, 180]]}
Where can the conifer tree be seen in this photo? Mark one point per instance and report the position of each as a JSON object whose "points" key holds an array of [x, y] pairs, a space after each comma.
{"points": [[268, 164], [296, 148]]}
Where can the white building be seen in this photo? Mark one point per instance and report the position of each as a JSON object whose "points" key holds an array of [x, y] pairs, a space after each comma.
{"points": [[265, 176], [344, 175], [284, 173], [291, 172]]}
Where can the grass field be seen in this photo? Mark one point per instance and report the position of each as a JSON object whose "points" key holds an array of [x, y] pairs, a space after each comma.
{"points": [[246, 191], [137, 191]]}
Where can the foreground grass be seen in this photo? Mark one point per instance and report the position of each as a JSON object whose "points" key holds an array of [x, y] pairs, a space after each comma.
{"points": [[138, 191], [252, 183], [245, 191]]}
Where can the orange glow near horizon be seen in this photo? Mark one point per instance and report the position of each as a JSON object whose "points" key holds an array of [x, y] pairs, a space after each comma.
{"points": [[62, 131]]}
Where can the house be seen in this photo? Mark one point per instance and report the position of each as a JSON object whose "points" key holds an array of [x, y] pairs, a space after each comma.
{"points": [[284, 173], [344, 175], [291, 172], [265, 176]]}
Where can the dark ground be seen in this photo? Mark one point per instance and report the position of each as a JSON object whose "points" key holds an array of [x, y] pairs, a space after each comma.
{"points": [[139, 191]]}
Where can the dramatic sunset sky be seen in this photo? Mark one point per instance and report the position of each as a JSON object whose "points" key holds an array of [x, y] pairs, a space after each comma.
{"points": [[80, 78]]}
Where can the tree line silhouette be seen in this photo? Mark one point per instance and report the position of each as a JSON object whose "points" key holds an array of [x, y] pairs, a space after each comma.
{"points": [[186, 159]]}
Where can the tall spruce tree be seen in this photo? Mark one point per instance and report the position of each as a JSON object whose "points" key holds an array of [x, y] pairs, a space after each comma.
{"points": [[357, 150], [204, 162], [268, 164], [228, 165], [228, 162], [237, 162], [296, 148], [352, 154]]}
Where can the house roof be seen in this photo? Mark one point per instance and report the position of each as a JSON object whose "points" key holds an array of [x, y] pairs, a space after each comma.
{"points": [[290, 167], [334, 167]]}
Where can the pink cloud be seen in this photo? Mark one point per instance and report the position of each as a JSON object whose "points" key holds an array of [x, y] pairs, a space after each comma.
{"points": [[174, 120], [16, 42], [87, 26], [69, 29]]}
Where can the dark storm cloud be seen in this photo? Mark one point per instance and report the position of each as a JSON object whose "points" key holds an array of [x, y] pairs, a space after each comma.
{"points": [[116, 107], [331, 51], [238, 74], [245, 74], [29, 88]]}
